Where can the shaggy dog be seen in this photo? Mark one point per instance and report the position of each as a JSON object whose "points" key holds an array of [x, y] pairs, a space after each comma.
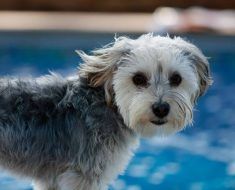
{"points": [[80, 133]]}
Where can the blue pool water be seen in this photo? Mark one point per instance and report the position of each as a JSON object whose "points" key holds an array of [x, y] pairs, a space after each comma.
{"points": [[201, 157]]}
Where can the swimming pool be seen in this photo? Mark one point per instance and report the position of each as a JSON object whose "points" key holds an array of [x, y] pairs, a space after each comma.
{"points": [[201, 157]]}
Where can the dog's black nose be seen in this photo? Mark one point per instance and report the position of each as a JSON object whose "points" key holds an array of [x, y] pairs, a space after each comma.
{"points": [[161, 109]]}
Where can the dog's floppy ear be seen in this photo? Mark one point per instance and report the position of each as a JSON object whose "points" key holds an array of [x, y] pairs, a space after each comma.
{"points": [[199, 64], [98, 68], [203, 70]]}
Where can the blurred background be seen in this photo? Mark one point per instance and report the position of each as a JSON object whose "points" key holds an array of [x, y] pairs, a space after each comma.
{"points": [[37, 36]]}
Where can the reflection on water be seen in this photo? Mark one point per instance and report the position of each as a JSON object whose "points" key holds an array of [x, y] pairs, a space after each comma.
{"points": [[201, 157]]}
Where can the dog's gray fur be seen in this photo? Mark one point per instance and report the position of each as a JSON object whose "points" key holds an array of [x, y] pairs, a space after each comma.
{"points": [[56, 125]]}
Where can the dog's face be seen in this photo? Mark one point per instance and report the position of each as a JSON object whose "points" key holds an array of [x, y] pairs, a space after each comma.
{"points": [[154, 81]]}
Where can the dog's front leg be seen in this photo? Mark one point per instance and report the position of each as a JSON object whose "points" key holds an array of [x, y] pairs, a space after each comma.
{"points": [[71, 180], [41, 185]]}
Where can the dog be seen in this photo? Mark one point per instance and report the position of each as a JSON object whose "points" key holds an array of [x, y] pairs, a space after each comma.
{"points": [[79, 133]]}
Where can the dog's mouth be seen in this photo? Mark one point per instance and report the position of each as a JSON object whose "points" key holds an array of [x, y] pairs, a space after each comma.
{"points": [[159, 122]]}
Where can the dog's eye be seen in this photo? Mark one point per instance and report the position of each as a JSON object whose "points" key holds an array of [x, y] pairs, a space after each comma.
{"points": [[140, 79], [175, 79]]}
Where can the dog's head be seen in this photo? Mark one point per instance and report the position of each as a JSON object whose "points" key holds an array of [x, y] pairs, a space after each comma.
{"points": [[154, 81]]}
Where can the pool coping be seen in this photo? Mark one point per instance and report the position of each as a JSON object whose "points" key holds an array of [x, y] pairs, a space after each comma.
{"points": [[75, 21]]}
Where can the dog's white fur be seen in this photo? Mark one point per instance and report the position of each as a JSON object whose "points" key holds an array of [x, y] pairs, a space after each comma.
{"points": [[117, 65]]}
